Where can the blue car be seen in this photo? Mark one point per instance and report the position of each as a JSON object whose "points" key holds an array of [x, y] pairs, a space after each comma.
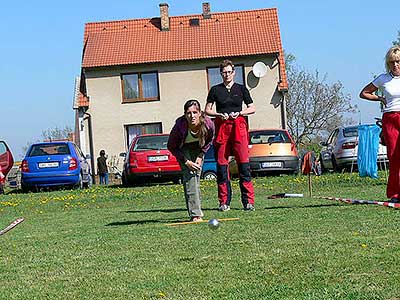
{"points": [[209, 171], [54, 164]]}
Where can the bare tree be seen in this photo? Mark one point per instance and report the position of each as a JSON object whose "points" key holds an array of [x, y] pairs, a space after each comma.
{"points": [[57, 133], [314, 107], [51, 134]]}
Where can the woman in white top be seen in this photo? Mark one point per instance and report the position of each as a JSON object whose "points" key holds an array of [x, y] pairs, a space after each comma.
{"points": [[389, 83]]}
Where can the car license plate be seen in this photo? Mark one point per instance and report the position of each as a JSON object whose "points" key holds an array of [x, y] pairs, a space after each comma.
{"points": [[272, 164], [157, 158], [48, 165]]}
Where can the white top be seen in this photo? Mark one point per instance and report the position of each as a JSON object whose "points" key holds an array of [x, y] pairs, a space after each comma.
{"points": [[390, 86]]}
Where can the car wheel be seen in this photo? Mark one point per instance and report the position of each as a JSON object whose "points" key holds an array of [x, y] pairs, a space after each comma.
{"points": [[335, 165], [177, 181], [79, 184], [24, 188], [124, 179], [209, 175]]}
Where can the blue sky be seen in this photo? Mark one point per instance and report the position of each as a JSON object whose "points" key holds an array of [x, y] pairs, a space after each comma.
{"points": [[41, 50]]}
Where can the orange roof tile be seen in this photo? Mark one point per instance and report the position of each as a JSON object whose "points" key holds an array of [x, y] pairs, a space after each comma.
{"points": [[137, 41]]}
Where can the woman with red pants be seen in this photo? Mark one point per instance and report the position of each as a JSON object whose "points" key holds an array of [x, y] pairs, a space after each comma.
{"points": [[232, 136], [389, 83]]}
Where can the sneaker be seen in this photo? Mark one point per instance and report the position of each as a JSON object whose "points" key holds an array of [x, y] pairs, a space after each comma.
{"points": [[224, 207], [249, 207], [196, 219], [394, 200]]}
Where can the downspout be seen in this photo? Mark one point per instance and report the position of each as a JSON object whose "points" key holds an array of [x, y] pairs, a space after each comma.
{"points": [[283, 109], [283, 92], [89, 118]]}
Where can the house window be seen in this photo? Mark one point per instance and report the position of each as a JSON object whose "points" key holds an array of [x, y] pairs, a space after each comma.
{"points": [[214, 76], [134, 130], [139, 87]]}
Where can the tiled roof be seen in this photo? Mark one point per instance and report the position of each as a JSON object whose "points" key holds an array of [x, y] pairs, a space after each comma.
{"points": [[138, 41]]}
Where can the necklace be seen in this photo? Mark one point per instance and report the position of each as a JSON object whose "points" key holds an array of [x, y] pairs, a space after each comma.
{"points": [[194, 132]]}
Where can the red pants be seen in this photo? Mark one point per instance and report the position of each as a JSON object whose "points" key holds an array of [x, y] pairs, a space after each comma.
{"points": [[232, 138], [391, 132]]}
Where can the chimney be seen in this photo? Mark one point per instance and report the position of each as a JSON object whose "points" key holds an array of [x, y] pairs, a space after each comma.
{"points": [[164, 16], [206, 10]]}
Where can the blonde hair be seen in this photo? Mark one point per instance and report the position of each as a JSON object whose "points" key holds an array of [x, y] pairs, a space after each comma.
{"points": [[392, 54]]}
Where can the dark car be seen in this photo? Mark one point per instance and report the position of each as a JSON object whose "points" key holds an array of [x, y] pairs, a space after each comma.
{"points": [[149, 159], [209, 170], [54, 164], [6, 163]]}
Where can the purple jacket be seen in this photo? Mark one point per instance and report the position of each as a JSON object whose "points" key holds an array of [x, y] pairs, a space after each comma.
{"points": [[178, 135]]}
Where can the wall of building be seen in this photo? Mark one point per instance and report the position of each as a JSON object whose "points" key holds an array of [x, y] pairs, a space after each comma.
{"points": [[177, 83]]}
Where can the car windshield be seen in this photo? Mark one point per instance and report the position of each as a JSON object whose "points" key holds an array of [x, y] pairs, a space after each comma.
{"points": [[268, 137], [49, 149], [151, 143], [350, 132]]}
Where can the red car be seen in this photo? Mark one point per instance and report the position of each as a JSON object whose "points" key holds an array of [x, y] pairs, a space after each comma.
{"points": [[149, 159], [6, 163]]}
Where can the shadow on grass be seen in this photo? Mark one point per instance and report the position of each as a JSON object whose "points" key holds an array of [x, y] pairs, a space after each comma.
{"points": [[305, 206], [142, 222], [165, 210]]}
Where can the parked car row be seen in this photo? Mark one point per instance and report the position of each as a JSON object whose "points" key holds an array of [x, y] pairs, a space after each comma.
{"points": [[271, 151]]}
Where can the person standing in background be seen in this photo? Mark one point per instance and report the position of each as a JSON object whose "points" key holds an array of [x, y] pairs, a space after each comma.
{"points": [[102, 168]]}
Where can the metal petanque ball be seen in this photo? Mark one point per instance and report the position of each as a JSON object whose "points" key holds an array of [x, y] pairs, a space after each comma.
{"points": [[213, 224]]}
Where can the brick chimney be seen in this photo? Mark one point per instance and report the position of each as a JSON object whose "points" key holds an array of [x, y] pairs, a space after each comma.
{"points": [[206, 10], [164, 16]]}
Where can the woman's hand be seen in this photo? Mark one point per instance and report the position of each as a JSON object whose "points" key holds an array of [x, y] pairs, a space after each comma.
{"points": [[223, 116], [193, 166]]}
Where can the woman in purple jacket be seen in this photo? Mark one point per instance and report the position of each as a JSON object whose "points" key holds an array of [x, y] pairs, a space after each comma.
{"points": [[189, 140]]}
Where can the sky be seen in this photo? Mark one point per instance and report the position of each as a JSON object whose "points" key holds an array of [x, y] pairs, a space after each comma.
{"points": [[41, 50]]}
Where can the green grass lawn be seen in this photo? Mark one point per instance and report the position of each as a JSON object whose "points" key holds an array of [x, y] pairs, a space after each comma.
{"points": [[113, 243]]}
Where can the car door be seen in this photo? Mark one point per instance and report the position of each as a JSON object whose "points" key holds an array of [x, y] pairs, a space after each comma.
{"points": [[328, 148], [6, 159]]}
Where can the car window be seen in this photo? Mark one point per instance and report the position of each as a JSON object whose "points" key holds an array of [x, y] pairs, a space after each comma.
{"points": [[151, 143], [269, 137], [3, 148], [78, 151], [350, 132], [49, 149], [332, 137]]}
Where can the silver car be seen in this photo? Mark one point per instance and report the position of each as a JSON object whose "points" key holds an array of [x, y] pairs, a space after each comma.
{"points": [[341, 148]]}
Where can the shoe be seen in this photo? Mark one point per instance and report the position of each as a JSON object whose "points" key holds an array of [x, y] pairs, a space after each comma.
{"points": [[394, 200], [196, 219], [249, 207], [224, 207]]}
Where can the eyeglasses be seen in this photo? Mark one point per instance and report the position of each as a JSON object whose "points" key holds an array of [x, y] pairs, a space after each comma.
{"points": [[227, 72]]}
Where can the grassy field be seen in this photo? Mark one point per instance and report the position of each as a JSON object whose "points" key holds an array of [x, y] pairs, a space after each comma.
{"points": [[113, 243]]}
